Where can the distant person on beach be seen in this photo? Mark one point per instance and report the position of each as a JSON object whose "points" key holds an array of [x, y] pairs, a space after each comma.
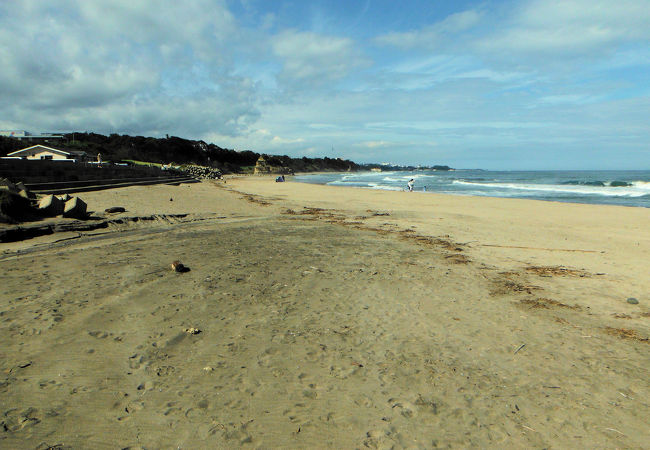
{"points": [[410, 184], [280, 179]]}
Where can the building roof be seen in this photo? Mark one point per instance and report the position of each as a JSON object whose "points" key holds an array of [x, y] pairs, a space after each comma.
{"points": [[43, 148]]}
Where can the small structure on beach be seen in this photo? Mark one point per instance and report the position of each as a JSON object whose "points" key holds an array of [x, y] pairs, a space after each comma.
{"points": [[42, 152]]}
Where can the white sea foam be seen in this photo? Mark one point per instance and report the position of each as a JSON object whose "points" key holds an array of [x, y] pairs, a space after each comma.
{"points": [[629, 191], [365, 184], [356, 175], [643, 185], [344, 183], [384, 187]]}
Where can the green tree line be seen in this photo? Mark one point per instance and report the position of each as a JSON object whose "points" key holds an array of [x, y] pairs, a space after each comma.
{"points": [[176, 150]]}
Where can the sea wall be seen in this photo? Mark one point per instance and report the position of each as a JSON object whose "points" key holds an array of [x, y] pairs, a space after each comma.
{"points": [[32, 172]]}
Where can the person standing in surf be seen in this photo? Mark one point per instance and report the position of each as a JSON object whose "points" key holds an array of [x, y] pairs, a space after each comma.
{"points": [[410, 184]]}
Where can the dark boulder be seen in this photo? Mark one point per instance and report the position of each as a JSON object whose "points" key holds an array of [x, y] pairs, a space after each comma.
{"points": [[114, 210]]}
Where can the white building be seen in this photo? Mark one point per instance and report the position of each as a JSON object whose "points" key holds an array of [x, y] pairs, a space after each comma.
{"points": [[14, 133], [41, 152]]}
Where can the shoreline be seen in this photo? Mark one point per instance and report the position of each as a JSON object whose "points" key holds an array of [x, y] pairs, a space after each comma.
{"points": [[329, 317], [479, 196], [561, 191]]}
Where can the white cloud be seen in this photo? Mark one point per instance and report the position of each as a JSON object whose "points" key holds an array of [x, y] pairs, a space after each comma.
{"points": [[122, 66], [323, 126], [435, 125], [314, 58], [569, 99], [375, 144], [277, 140], [560, 30], [199, 23], [496, 76], [433, 35]]}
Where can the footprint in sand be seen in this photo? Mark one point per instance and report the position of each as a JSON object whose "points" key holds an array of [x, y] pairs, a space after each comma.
{"points": [[146, 386], [313, 356], [379, 439], [135, 361], [100, 334], [164, 371], [195, 414], [237, 432], [14, 420], [344, 372], [329, 417], [365, 401], [133, 407], [405, 408], [310, 393], [267, 357], [43, 384], [293, 414]]}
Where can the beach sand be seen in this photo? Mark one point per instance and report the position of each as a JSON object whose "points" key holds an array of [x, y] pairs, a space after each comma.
{"points": [[328, 317]]}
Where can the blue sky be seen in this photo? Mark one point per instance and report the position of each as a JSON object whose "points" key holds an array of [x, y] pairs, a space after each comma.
{"points": [[472, 84]]}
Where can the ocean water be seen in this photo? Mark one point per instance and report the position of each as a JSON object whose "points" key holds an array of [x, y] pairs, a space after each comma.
{"points": [[625, 188]]}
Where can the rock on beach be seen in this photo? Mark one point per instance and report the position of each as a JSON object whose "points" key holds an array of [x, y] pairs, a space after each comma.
{"points": [[75, 208], [51, 205]]}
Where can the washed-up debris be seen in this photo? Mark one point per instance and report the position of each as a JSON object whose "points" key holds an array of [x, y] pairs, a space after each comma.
{"points": [[192, 330], [115, 209], [178, 266], [632, 301]]}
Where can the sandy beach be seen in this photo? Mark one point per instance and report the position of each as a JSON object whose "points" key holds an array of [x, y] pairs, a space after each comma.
{"points": [[327, 317]]}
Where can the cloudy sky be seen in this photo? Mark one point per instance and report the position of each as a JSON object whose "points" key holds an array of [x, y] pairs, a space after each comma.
{"points": [[473, 84]]}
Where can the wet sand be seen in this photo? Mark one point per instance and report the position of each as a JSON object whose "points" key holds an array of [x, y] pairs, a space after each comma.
{"points": [[329, 318]]}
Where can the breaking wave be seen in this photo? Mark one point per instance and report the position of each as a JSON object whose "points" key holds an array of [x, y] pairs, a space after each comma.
{"points": [[612, 189]]}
